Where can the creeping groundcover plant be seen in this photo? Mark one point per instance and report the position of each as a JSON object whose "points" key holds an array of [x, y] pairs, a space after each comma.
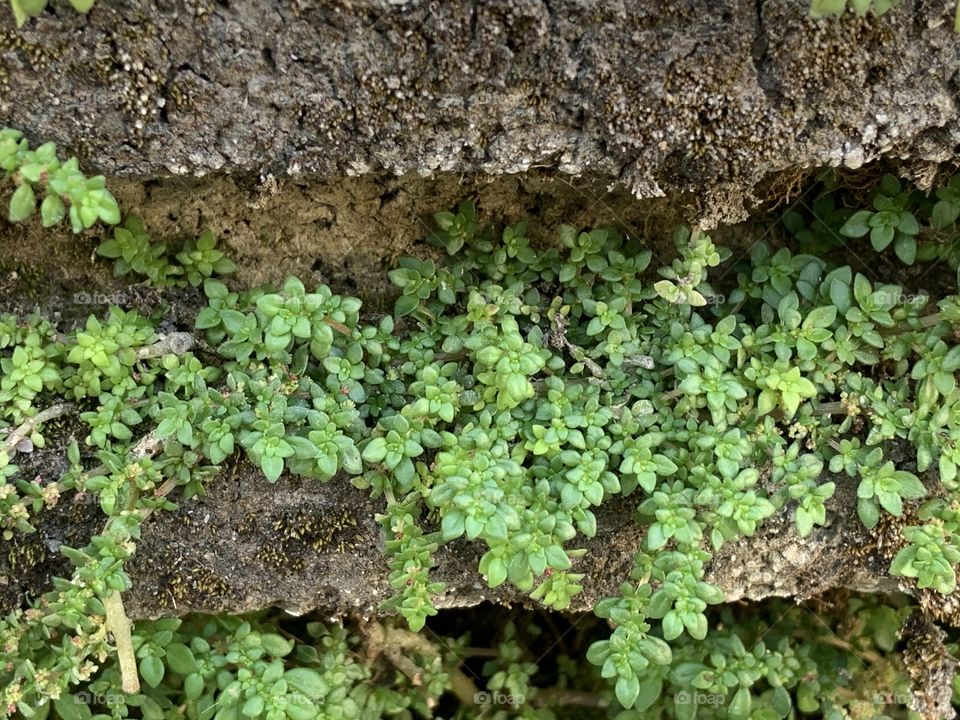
{"points": [[512, 392]]}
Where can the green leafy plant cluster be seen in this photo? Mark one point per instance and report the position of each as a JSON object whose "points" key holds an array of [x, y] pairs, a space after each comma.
{"points": [[30, 367], [66, 191], [516, 389], [133, 252], [889, 222], [916, 225]]}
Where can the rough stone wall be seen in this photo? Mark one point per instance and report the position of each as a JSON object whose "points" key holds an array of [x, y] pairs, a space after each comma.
{"points": [[658, 95]]}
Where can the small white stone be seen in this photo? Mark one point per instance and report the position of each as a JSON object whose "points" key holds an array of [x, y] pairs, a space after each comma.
{"points": [[853, 157]]}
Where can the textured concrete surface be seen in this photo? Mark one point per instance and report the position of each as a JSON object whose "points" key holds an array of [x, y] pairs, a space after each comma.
{"points": [[658, 95]]}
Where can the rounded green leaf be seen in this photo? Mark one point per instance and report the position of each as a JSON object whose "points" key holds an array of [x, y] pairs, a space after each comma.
{"points": [[272, 467], [496, 572], [151, 670], [22, 203], [108, 210], [193, 686], [375, 451], [868, 512], [253, 707], [881, 236], [672, 625], [739, 707], [905, 248], [857, 225], [306, 681], [52, 210], [650, 689], [627, 690], [180, 659], [406, 304]]}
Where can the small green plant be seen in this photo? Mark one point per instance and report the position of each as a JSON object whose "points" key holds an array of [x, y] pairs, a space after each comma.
{"points": [[66, 192], [411, 552], [133, 252], [103, 357], [933, 550], [200, 260], [919, 226], [889, 222], [688, 273]]}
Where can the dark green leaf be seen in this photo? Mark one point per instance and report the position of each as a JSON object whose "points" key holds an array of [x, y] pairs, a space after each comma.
{"points": [[857, 225], [151, 670]]}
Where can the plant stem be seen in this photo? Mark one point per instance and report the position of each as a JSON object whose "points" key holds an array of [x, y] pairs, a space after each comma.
{"points": [[162, 491], [175, 343], [338, 326], [54, 411], [396, 643], [844, 645], [479, 652], [119, 626], [553, 697], [830, 408]]}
